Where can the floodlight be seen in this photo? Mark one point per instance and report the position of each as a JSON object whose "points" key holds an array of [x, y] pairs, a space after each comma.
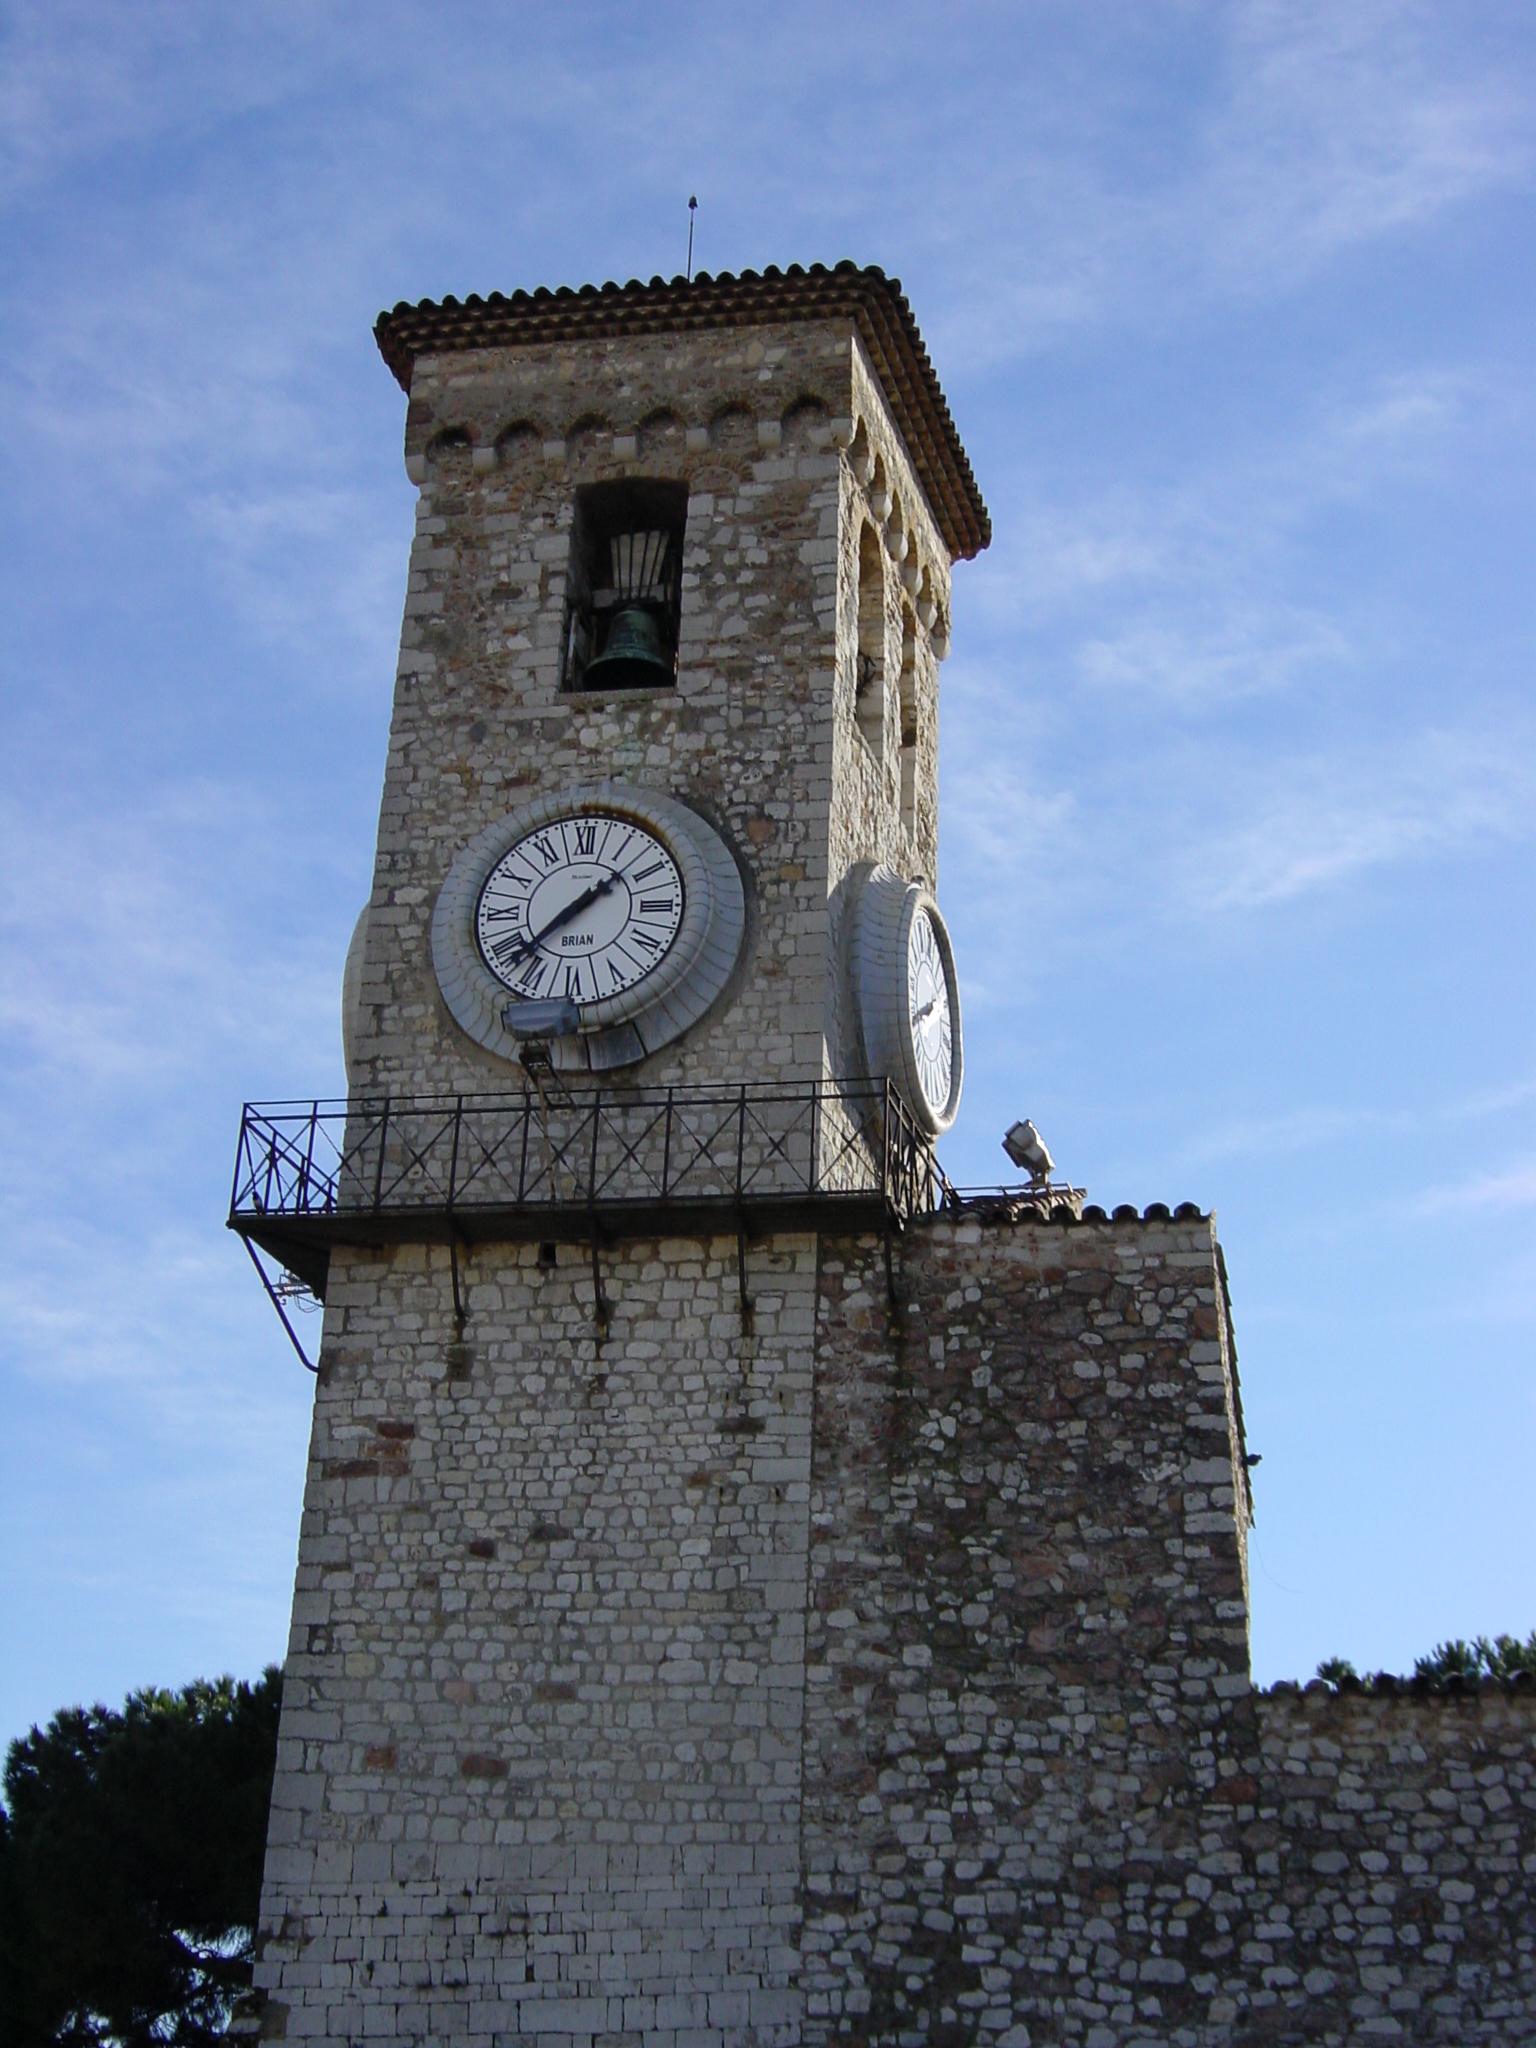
{"points": [[1025, 1147]]}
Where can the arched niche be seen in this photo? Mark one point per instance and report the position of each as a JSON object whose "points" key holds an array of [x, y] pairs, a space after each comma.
{"points": [[878, 493], [451, 445], [869, 679], [661, 438], [907, 697], [861, 457], [519, 439], [733, 434], [806, 426], [589, 436]]}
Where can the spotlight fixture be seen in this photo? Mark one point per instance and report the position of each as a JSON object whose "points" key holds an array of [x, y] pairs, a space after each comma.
{"points": [[1025, 1147]]}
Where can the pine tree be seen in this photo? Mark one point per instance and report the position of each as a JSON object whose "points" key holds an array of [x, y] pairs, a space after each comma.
{"points": [[131, 1848]]}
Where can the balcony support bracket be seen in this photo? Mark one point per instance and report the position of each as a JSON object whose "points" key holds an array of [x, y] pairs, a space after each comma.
{"points": [[277, 1302]]}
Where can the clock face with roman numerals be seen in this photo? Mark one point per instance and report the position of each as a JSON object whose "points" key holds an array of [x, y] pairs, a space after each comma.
{"points": [[585, 907], [928, 1015]]}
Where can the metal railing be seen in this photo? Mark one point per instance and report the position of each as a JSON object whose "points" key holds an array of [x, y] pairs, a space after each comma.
{"points": [[538, 1156]]}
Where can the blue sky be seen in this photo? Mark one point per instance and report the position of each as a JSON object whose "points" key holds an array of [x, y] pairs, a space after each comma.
{"points": [[1234, 308]]}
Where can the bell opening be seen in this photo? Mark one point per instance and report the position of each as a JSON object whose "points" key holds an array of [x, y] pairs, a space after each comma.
{"points": [[624, 585]]}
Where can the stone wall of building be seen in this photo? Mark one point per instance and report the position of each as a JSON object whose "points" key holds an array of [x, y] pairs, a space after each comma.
{"points": [[871, 1670], [1027, 1644], [1387, 1888], [1041, 1803], [539, 1760], [870, 819]]}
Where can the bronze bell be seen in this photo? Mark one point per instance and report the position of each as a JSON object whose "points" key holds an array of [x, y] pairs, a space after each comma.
{"points": [[635, 657]]}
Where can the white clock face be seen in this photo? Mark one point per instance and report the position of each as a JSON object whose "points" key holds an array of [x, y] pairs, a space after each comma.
{"points": [[928, 1017], [585, 907]]}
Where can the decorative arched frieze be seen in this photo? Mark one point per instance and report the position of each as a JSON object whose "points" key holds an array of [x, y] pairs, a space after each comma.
{"points": [[908, 697], [588, 437], [661, 436], [878, 494], [449, 444], [897, 540], [805, 427], [869, 679], [733, 431], [519, 439]]}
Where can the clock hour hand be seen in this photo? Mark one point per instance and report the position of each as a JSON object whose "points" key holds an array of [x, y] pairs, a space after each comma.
{"points": [[577, 904], [919, 1015]]}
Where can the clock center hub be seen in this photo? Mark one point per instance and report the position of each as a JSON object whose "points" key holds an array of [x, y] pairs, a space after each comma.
{"points": [[576, 919]]}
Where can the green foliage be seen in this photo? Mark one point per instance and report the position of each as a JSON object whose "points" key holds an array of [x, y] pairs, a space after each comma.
{"points": [[131, 1848], [1503, 1657], [1335, 1671]]}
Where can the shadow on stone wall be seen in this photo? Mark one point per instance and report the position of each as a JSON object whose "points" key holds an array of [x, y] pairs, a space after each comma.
{"points": [[1041, 1802]]}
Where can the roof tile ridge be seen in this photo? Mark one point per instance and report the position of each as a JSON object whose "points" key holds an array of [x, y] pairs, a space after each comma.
{"points": [[893, 373], [866, 295]]}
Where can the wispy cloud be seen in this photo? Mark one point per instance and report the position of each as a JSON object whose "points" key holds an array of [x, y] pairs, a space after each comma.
{"points": [[1509, 1187], [1304, 1129], [1315, 822], [81, 83], [121, 956], [1498, 1101], [1341, 125], [1320, 1127], [1306, 133], [1193, 662], [1409, 408]]}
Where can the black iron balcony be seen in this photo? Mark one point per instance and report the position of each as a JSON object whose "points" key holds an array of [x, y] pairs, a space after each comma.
{"points": [[542, 1164]]}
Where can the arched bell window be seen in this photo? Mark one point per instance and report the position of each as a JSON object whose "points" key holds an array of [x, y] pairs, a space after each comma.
{"points": [[624, 586], [869, 683], [908, 694]]}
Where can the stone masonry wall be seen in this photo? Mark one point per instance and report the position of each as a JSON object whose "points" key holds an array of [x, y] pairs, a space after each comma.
{"points": [[538, 1767], [866, 822], [1041, 1803], [1387, 1889], [1028, 1639], [877, 1673]]}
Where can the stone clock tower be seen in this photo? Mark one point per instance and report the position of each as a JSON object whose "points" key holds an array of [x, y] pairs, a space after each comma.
{"points": [[654, 885], [747, 1592]]}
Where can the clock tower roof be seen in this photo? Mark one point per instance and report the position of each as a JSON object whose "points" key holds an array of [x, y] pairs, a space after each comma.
{"points": [[873, 302]]}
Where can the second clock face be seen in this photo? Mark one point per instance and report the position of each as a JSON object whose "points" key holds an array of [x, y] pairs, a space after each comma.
{"points": [[584, 907], [928, 1017]]}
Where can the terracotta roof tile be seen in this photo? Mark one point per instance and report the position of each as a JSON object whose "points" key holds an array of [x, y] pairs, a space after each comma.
{"points": [[873, 301]]}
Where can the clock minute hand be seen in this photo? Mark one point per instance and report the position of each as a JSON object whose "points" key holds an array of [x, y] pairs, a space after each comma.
{"points": [[577, 903], [919, 1015]]}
